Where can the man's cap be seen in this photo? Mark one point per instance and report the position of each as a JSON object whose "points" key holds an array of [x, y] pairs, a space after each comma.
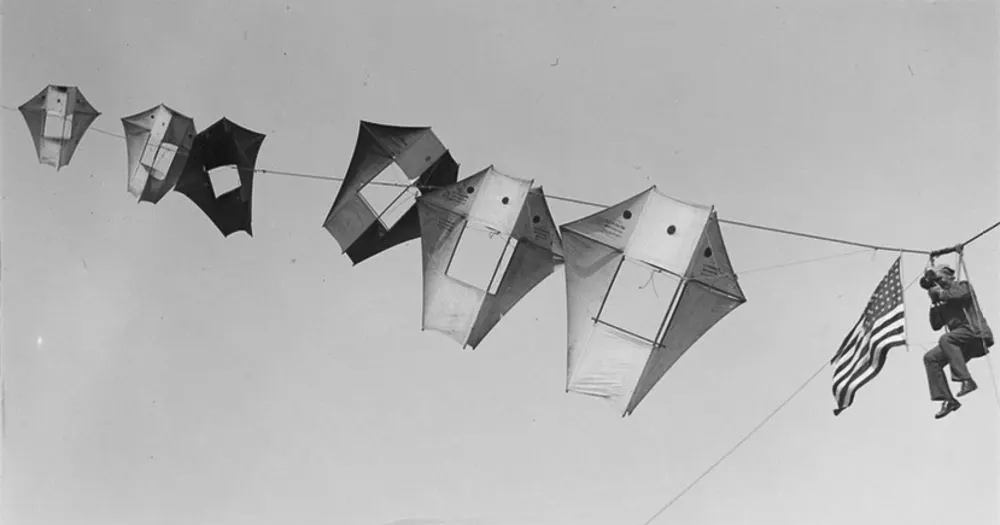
{"points": [[940, 269]]}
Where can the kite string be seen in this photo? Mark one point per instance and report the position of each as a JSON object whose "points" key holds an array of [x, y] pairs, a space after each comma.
{"points": [[599, 205], [980, 234], [996, 394], [801, 261], [746, 437], [116, 135], [993, 377], [737, 445], [823, 237]]}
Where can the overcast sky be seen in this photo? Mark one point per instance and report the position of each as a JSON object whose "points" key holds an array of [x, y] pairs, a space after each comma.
{"points": [[156, 372]]}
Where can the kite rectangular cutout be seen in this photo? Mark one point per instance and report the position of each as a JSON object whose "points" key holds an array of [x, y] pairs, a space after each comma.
{"points": [[159, 159], [58, 126], [639, 300], [224, 180], [387, 197], [481, 258]]}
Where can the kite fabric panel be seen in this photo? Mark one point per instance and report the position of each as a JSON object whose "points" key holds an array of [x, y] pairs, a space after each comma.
{"points": [[363, 228], [487, 241], [57, 118], [665, 237], [223, 144], [158, 141]]}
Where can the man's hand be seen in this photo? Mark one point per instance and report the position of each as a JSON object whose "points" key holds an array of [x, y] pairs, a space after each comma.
{"points": [[935, 292]]}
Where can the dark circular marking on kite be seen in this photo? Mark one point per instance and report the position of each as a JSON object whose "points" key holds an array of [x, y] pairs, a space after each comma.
{"points": [[505, 200], [708, 251], [427, 158], [671, 229], [627, 214], [470, 189], [536, 219]]}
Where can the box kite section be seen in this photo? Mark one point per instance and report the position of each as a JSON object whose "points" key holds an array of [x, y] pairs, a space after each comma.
{"points": [[620, 343], [487, 241], [374, 211], [223, 144], [57, 118], [158, 141]]}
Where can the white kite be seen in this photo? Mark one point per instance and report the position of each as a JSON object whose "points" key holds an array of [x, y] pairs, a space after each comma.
{"points": [[487, 240], [158, 142], [645, 279], [57, 118]]}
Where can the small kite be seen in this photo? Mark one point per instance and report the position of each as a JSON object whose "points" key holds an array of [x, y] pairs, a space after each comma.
{"points": [[223, 144], [374, 211], [623, 332], [57, 117], [158, 141], [487, 241]]}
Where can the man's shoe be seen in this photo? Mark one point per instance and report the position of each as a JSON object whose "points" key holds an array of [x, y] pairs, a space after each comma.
{"points": [[967, 386], [947, 408]]}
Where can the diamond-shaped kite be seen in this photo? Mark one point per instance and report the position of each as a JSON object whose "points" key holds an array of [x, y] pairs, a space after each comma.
{"points": [[158, 141], [223, 144], [623, 332], [57, 118], [365, 224], [486, 241]]}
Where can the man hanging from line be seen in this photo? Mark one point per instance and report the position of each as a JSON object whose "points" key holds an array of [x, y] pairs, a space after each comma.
{"points": [[968, 336]]}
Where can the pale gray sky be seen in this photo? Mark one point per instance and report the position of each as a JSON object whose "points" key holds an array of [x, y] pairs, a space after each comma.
{"points": [[158, 373]]}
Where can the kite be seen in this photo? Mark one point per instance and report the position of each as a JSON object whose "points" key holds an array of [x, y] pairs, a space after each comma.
{"points": [[374, 211], [57, 118], [487, 241], [645, 279], [222, 144], [158, 141]]}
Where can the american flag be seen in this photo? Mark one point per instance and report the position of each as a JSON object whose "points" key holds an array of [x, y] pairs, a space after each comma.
{"points": [[881, 327]]}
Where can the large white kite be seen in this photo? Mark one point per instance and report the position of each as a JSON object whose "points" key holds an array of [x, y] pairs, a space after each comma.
{"points": [[645, 279], [487, 240]]}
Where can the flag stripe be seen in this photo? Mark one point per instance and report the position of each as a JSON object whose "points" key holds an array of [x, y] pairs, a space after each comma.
{"points": [[861, 357], [866, 375], [849, 340], [866, 364], [893, 327], [875, 364], [849, 352]]}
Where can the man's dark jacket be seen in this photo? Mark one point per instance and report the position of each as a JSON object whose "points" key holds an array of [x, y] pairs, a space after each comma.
{"points": [[955, 308]]}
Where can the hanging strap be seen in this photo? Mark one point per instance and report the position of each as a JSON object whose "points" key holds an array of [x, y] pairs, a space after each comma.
{"points": [[978, 311]]}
